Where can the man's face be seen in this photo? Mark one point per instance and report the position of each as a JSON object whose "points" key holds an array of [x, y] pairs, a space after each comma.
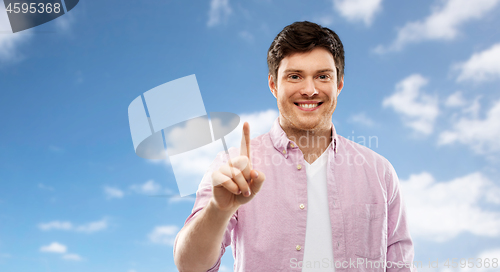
{"points": [[306, 90]]}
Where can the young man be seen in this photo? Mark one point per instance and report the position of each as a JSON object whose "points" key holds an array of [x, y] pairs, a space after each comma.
{"points": [[327, 203]]}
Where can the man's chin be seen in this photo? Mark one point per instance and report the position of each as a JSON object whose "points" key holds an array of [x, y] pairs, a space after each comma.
{"points": [[306, 125]]}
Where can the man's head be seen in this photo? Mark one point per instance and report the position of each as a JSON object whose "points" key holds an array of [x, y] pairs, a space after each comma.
{"points": [[301, 37], [306, 67]]}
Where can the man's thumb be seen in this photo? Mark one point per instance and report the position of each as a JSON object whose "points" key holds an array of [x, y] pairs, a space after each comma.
{"points": [[257, 180]]}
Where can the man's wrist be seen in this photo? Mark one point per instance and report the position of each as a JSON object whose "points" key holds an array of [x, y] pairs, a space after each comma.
{"points": [[214, 210]]}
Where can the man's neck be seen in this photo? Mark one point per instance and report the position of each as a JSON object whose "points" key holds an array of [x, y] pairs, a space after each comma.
{"points": [[312, 142]]}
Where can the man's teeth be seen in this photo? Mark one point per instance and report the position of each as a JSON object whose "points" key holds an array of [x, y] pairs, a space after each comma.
{"points": [[308, 105]]}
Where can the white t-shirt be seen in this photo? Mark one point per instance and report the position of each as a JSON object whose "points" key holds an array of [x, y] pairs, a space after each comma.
{"points": [[318, 250]]}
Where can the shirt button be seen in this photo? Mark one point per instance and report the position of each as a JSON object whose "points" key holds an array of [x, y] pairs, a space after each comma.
{"points": [[301, 206], [298, 247], [292, 145], [284, 151], [299, 166]]}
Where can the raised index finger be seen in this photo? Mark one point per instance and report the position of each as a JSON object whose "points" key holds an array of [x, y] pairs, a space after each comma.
{"points": [[245, 142]]}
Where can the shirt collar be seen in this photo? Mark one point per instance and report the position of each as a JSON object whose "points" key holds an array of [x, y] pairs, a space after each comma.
{"points": [[282, 143]]}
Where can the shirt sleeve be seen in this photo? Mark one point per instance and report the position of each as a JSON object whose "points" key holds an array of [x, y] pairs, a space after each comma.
{"points": [[400, 251], [203, 195]]}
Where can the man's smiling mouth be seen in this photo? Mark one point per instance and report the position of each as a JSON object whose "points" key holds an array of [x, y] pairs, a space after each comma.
{"points": [[308, 105]]}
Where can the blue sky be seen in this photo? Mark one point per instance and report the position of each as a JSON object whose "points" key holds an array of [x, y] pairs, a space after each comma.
{"points": [[421, 77]]}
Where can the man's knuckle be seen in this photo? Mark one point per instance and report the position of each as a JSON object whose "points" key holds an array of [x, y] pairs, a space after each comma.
{"points": [[227, 183]]}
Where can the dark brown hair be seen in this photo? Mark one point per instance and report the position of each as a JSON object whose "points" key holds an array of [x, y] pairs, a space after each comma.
{"points": [[302, 37]]}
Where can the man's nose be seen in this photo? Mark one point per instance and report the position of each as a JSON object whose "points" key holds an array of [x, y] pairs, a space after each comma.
{"points": [[309, 88]]}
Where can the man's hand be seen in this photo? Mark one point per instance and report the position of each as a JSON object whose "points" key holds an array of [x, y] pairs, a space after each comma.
{"points": [[236, 183]]}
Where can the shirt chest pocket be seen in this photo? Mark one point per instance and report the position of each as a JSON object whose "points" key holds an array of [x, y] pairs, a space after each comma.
{"points": [[370, 230]]}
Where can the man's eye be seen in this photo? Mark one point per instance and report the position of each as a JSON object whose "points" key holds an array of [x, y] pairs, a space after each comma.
{"points": [[295, 77], [324, 77]]}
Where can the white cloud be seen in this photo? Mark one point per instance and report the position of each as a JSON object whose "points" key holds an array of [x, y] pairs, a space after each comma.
{"points": [[219, 11], [441, 24], [187, 136], [490, 254], [260, 122], [113, 192], [480, 134], [56, 225], [480, 67], [149, 187], [9, 41], [72, 257], [68, 226], [164, 234], [358, 10], [456, 99], [58, 248], [474, 108], [178, 198], [418, 110], [466, 106], [54, 247], [4, 257], [439, 211], [362, 119], [79, 77], [64, 23], [246, 36], [326, 20], [56, 149], [45, 187], [93, 226]]}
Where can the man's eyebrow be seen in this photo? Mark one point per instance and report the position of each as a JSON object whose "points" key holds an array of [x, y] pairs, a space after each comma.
{"points": [[300, 71], [325, 70], [292, 71]]}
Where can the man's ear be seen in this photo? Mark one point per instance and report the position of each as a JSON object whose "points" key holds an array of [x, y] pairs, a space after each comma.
{"points": [[340, 85], [272, 86]]}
